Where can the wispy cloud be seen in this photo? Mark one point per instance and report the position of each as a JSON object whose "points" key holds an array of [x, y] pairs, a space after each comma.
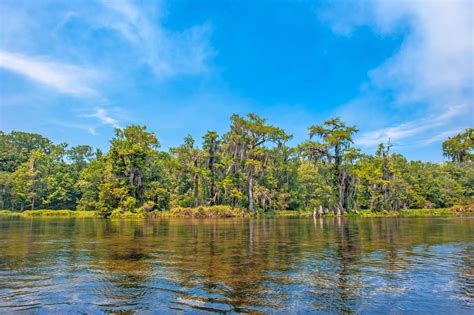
{"points": [[413, 128], [168, 53], [432, 69], [92, 52], [435, 62], [90, 129], [104, 117], [65, 78], [442, 136], [75, 67]]}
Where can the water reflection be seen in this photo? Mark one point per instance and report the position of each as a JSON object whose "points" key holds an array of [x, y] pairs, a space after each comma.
{"points": [[237, 265]]}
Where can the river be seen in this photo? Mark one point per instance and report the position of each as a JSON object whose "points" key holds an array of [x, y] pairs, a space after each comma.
{"points": [[269, 265]]}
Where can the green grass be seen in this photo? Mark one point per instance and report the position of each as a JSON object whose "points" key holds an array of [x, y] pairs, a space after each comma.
{"points": [[228, 212], [291, 213], [430, 212], [128, 215], [374, 214], [199, 212], [8, 213], [49, 213], [203, 212], [406, 213]]}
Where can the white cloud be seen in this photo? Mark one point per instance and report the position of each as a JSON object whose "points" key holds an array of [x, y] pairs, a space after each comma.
{"points": [[90, 129], [432, 69], [435, 62], [104, 117], [168, 53], [442, 136], [413, 128], [65, 78], [79, 35]]}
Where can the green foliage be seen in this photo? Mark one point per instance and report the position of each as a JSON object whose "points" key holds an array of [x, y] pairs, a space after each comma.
{"points": [[248, 157], [251, 166], [220, 211], [427, 212], [461, 147], [89, 183], [50, 213], [335, 157], [15, 148]]}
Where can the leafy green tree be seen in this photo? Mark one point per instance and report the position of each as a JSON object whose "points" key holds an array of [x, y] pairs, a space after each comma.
{"points": [[245, 145], [190, 162], [158, 183], [5, 189], [250, 166], [129, 157], [80, 156], [212, 149], [460, 148], [89, 183], [15, 148], [334, 149], [29, 183], [59, 180], [315, 191]]}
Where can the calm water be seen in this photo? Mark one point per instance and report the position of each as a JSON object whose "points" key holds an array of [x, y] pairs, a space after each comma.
{"points": [[283, 265]]}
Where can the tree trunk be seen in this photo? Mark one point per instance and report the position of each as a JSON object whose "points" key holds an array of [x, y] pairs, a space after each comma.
{"points": [[211, 191], [196, 190], [251, 191], [211, 169], [2, 202], [342, 193]]}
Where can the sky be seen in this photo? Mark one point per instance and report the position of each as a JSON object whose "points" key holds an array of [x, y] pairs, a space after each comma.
{"points": [[75, 70]]}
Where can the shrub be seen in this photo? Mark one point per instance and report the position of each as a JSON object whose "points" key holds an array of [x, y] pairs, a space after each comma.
{"points": [[147, 207], [220, 211]]}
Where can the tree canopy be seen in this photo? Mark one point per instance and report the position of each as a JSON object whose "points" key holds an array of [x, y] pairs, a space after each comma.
{"points": [[250, 166], [460, 148]]}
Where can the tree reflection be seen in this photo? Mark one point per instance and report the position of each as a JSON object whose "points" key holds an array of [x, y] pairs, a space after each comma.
{"points": [[333, 265]]}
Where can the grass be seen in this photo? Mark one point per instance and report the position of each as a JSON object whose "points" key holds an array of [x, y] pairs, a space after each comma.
{"points": [[8, 213], [199, 212], [431, 212], [386, 213], [49, 213], [203, 212], [372, 214], [410, 213], [291, 213], [128, 215], [228, 212]]}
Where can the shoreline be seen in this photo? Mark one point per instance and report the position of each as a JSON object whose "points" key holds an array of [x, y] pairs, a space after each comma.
{"points": [[227, 212]]}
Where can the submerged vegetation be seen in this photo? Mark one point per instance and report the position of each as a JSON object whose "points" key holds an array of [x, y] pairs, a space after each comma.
{"points": [[249, 169]]}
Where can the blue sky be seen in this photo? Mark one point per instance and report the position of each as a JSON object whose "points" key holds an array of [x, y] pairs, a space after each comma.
{"points": [[75, 70]]}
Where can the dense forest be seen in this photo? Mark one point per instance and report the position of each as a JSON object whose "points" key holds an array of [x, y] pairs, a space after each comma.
{"points": [[251, 166]]}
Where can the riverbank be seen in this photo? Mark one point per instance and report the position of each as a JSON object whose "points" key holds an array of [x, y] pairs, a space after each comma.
{"points": [[198, 213], [49, 213], [228, 212], [373, 214]]}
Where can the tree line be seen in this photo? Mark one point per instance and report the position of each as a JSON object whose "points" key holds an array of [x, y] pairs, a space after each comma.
{"points": [[250, 166]]}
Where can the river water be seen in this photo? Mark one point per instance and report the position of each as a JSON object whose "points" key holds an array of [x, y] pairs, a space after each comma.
{"points": [[271, 265]]}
